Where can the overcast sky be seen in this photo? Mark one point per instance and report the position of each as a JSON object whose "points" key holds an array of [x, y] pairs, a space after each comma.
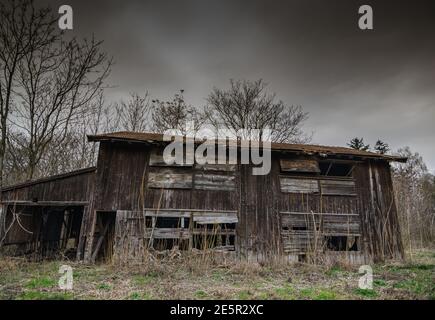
{"points": [[373, 84]]}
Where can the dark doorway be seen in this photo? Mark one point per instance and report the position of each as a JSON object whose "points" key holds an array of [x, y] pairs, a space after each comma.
{"points": [[104, 236], [43, 231]]}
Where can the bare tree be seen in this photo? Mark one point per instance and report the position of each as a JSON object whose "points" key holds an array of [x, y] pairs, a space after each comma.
{"points": [[248, 105], [58, 81], [175, 115], [23, 29], [414, 189], [134, 114]]}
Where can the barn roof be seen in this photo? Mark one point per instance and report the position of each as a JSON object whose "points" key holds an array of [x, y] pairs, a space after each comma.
{"points": [[148, 137], [49, 178]]}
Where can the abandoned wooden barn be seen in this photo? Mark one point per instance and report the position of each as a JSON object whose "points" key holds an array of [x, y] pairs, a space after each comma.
{"points": [[333, 202]]}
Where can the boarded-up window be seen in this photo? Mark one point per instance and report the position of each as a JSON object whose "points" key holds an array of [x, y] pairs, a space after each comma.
{"points": [[170, 179], [299, 165], [338, 187], [295, 185], [302, 232], [213, 181]]}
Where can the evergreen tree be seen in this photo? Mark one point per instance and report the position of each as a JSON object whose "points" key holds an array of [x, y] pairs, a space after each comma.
{"points": [[358, 144], [381, 147]]}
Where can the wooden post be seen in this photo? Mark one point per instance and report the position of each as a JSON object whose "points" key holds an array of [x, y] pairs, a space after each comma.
{"points": [[3, 211]]}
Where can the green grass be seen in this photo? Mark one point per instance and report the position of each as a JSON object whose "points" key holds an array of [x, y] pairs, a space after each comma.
{"points": [[135, 296], [201, 294], [285, 293], [379, 283], [244, 295], [326, 295], [366, 293], [104, 286], [142, 280], [20, 279], [333, 271], [41, 283], [38, 295]]}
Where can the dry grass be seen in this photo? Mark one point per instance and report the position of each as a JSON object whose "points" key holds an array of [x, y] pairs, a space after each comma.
{"points": [[202, 276]]}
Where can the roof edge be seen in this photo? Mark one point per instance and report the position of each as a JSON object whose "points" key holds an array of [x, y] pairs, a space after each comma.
{"points": [[144, 137], [49, 178]]}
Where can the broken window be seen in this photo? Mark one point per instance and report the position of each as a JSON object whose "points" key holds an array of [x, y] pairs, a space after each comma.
{"points": [[214, 236], [335, 169]]}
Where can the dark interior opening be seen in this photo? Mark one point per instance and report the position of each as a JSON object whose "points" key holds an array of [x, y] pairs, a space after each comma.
{"points": [[172, 222], [214, 236], [43, 231], [342, 243], [335, 169], [104, 236]]}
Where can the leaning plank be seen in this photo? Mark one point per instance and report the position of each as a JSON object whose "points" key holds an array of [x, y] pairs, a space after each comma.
{"points": [[100, 242]]}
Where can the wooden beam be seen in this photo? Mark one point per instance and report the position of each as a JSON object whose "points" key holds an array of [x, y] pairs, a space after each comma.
{"points": [[45, 203]]}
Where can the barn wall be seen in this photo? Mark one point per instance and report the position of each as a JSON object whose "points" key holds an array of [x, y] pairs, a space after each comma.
{"points": [[258, 230], [377, 208], [68, 187], [272, 209]]}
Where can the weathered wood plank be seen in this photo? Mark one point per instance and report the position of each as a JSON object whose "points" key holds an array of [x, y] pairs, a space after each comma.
{"points": [[156, 160], [213, 181], [216, 167], [170, 179], [215, 219], [295, 185], [299, 165], [338, 187]]}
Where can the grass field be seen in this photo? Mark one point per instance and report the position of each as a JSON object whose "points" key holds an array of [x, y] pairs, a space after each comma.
{"points": [[190, 279]]}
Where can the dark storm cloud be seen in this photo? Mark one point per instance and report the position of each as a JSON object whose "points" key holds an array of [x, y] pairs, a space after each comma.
{"points": [[375, 84]]}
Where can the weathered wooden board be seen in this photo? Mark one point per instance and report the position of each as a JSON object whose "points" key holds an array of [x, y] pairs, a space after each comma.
{"points": [[216, 167], [327, 224], [170, 179], [338, 187], [299, 165], [167, 233], [213, 218], [214, 181], [296, 185], [156, 160]]}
